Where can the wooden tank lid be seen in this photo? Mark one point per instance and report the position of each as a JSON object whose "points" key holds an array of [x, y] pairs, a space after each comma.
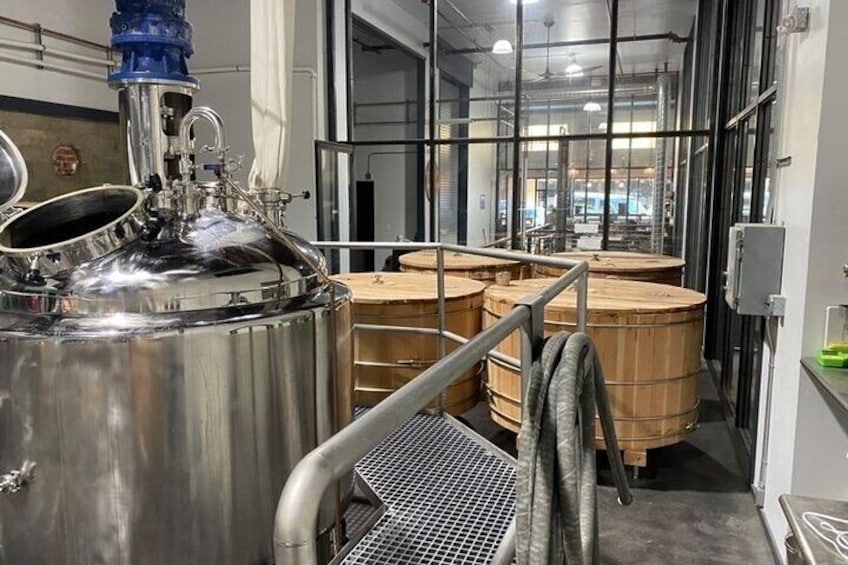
{"points": [[623, 261], [405, 288], [454, 261], [607, 295]]}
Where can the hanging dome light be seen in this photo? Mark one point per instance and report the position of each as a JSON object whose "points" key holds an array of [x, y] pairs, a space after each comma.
{"points": [[502, 47], [573, 70], [591, 107]]}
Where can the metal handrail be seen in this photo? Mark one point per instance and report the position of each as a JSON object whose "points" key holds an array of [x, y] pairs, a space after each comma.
{"points": [[296, 520]]}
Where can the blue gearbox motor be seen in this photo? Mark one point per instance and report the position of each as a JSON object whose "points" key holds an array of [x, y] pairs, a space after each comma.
{"points": [[154, 39]]}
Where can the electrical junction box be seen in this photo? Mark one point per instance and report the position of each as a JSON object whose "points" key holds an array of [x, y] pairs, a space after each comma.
{"points": [[754, 269]]}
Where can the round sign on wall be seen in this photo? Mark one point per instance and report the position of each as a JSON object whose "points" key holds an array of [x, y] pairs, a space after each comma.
{"points": [[66, 160]]}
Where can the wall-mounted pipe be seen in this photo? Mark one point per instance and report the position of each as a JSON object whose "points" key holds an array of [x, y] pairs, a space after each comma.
{"points": [[668, 36], [382, 154], [47, 50], [658, 213], [40, 64], [221, 70], [46, 32], [246, 69]]}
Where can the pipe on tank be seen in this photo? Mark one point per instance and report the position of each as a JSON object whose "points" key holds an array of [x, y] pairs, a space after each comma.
{"points": [[186, 150], [658, 212]]}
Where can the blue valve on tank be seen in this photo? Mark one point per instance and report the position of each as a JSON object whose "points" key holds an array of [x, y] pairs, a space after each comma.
{"points": [[154, 39]]}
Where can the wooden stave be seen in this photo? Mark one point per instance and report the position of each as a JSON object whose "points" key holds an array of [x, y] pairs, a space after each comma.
{"points": [[682, 420]]}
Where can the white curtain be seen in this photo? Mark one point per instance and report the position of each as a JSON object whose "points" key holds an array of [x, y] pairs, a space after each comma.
{"points": [[271, 62]]}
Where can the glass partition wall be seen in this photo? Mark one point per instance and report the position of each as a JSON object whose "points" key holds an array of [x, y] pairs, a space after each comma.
{"points": [[551, 125], [543, 125], [741, 193]]}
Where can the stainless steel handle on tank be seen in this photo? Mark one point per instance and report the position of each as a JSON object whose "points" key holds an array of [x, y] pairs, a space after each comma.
{"points": [[18, 479]]}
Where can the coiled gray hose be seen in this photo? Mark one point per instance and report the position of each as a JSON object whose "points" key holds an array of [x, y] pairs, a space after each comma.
{"points": [[556, 506]]}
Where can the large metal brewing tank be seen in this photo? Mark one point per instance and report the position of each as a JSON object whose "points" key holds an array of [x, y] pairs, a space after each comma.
{"points": [[155, 392]]}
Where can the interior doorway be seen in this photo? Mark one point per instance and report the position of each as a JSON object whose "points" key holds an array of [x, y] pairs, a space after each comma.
{"points": [[388, 105]]}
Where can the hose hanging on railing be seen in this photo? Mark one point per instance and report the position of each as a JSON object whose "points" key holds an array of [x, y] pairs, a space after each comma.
{"points": [[556, 506]]}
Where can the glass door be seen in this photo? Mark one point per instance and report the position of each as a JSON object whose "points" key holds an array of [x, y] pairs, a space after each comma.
{"points": [[333, 195]]}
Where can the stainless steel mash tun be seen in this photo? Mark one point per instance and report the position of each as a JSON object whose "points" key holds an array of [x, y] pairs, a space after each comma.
{"points": [[166, 358]]}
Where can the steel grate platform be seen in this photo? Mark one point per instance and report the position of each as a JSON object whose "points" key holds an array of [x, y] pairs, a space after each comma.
{"points": [[449, 496]]}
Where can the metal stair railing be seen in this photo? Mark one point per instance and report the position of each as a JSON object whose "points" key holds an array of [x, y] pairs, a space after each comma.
{"points": [[296, 520]]}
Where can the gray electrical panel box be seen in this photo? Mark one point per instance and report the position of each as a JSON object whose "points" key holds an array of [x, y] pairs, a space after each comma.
{"points": [[754, 269]]}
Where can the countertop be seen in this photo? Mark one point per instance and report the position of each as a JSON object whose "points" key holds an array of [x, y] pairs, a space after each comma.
{"points": [[815, 550], [833, 382]]}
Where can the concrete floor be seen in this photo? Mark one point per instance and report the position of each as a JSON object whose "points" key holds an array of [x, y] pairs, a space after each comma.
{"points": [[692, 506]]}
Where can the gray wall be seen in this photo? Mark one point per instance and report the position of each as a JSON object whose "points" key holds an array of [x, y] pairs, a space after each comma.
{"points": [[88, 19], [388, 77], [810, 200], [102, 158]]}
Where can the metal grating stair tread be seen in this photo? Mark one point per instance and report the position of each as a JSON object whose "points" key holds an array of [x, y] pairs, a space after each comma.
{"points": [[449, 495]]}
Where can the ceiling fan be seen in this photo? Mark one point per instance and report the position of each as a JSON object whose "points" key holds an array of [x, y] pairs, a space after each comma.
{"points": [[573, 70]]}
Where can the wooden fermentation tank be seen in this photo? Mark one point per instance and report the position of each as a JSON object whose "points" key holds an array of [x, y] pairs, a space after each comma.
{"points": [[645, 267], [648, 337], [467, 265], [385, 361]]}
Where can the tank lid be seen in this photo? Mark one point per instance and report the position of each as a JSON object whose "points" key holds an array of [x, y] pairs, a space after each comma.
{"points": [[13, 173], [214, 267], [606, 296]]}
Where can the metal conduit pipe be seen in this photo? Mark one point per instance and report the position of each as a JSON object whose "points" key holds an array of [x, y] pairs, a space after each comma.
{"points": [[52, 33], [646, 86], [658, 212], [648, 89], [221, 70], [47, 50], [50, 66]]}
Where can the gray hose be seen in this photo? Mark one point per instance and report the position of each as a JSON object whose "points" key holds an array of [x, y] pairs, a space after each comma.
{"points": [[556, 506]]}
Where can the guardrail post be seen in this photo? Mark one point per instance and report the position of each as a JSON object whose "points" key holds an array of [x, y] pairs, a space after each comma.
{"points": [[532, 336], [440, 276], [582, 288]]}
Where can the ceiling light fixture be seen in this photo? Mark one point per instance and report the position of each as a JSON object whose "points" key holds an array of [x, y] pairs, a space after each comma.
{"points": [[591, 107], [502, 47], [573, 70], [526, 2]]}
